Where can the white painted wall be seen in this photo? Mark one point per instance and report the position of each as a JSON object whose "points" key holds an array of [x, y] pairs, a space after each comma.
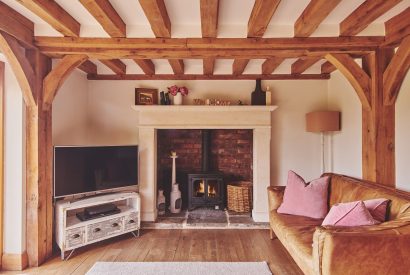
{"points": [[112, 121], [345, 148], [403, 136], [14, 170], [70, 111]]}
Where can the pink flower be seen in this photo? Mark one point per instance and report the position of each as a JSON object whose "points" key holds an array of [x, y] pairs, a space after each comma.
{"points": [[183, 91], [173, 90]]}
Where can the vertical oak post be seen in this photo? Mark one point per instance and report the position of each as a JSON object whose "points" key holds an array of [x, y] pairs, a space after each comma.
{"points": [[378, 159], [38, 168]]}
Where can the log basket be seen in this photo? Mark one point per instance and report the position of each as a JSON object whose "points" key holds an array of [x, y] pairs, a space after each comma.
{"points": [[240, 196]]}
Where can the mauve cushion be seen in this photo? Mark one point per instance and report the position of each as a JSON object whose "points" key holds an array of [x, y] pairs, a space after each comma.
{"points": [[309, 200], [349, 214], [377, 208]]}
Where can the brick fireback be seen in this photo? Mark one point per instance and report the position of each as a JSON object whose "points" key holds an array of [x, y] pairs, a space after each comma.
{"points": [[231, 151]]}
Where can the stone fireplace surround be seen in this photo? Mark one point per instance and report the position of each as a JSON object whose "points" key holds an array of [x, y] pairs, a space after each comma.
{"points": [[152, 118]]}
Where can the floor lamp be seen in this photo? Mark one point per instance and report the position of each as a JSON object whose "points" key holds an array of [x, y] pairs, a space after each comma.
{"points": [[321, 122]]}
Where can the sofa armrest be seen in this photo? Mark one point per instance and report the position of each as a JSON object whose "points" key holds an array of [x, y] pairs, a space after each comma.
{"points": [[275, 196], [378, 249]]}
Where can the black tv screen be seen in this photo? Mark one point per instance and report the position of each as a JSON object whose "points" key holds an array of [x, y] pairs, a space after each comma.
{"points": [[83, 169]]}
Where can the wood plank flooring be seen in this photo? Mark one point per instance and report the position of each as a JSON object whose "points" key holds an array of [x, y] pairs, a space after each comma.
{"points": [[222, 245]]}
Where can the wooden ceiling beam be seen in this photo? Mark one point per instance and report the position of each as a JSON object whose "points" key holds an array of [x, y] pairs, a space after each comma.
{"points": [[208, 66], [209, 77], [357, 77], [364, 15], [270, 65], [302, 64], [16, 25], [395, 72], [157, 15], [311, 17], [209, 17], [115, 65], [146, 65], [107, 16], [177, 66], [53, 81], [360, 43], [88, 67], [239, 65], [327, 68], [261, 15], [21, 66], [53, 14], [397, 28]]}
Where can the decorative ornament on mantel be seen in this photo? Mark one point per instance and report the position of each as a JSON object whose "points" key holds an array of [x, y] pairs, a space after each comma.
{"points": [[177, 93], [258, 97], [175, 197]]}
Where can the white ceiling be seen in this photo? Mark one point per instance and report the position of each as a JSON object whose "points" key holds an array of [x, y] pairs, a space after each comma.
{"points": [[185, 21]]}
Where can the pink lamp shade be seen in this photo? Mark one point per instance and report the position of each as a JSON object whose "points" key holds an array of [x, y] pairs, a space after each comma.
{"points": [[323, 121]]}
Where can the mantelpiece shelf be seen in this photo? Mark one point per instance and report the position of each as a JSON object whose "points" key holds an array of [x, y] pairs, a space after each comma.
{"points": [[189, 108]]}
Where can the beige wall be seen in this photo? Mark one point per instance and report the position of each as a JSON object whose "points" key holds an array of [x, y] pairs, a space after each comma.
{"points": [[112, 121], [345, 147], [14, 172], [403, 136], [70, 111]]}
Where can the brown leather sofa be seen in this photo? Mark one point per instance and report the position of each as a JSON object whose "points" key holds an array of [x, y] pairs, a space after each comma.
{"points": [[377, 249]]}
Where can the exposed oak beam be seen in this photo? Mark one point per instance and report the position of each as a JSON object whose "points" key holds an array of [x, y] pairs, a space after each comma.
{"points": [[157, 15], [261, 15], [355, 75], [396, 71], [364, 15], [21, 66], [209, 17], [311, 17], [270, 65], [327, 68], [208, 66], [397, 28], [239, 66], [116, 65], [53, 81], [208, 77], [53, 14], [88, 67], [177, 66], [146, 65], [174, 48], [302, 64], [16, 25], [107, 16]]}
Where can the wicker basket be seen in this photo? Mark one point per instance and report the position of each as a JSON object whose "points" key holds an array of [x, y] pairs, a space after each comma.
{"points": [[240, 196]]}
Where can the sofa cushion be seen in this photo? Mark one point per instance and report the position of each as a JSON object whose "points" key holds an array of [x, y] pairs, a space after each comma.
{"points": [[377, 208], [303, 199], [296, 234], [349, 214]]}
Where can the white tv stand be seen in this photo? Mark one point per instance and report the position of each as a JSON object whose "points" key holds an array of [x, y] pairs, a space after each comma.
{"points": [[72, 233]]}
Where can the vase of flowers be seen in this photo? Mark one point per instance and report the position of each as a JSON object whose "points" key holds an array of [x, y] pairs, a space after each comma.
{"points": [[178, 93]]}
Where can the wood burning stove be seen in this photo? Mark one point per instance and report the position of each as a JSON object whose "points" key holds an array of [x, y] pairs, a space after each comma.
{"points": [[206, 188]]}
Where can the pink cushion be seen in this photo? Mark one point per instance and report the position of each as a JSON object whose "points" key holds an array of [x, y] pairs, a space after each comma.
{"points": [[303, 199], [349, 214], [377, 208]]}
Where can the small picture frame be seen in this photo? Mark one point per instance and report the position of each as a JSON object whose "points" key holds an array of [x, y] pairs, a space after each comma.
{"points": [[144, 96]]}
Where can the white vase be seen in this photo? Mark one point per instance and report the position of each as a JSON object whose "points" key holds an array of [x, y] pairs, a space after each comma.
{"points": [[175, 200], [178, 99], [161, 202]]}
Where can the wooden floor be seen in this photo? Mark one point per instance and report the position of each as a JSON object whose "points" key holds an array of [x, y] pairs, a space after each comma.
{"points": [[177, 245]]}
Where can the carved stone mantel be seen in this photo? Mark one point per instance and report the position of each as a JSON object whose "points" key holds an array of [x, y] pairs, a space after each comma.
{"points": [[151, 118]]}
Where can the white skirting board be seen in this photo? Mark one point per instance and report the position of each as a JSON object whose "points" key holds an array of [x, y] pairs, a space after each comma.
{"points": [[260, 216]]}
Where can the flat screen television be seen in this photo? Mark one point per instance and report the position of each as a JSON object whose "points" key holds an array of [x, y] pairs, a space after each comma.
{"points": [[89, 169]]}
